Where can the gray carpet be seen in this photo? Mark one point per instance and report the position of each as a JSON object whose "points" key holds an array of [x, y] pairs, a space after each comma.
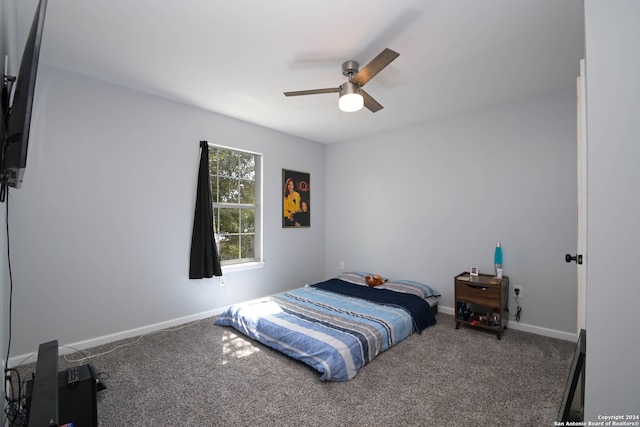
{"points": [[206, 375]]}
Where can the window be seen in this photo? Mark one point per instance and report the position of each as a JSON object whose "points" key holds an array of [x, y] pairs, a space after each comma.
{"points": [[235, 193]]}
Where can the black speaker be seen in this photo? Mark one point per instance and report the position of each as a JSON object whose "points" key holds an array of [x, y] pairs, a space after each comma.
{"points": [[76, 403]]}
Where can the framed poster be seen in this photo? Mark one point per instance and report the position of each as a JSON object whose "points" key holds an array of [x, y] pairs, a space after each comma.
{"points": [[296, 196]]}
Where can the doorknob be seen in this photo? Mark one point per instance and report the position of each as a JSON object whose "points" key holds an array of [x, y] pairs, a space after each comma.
{"points": [[576, 258]]}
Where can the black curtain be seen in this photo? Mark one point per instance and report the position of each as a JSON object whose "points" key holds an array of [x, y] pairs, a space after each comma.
{"points": [[205, 261]]}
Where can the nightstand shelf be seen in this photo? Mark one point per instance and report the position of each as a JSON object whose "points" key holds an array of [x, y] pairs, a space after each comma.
{"points": [[482, 296]]}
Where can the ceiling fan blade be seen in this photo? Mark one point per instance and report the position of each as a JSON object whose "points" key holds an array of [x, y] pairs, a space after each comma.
{"points": [[312, 92], [374, 67], [370, 103]]}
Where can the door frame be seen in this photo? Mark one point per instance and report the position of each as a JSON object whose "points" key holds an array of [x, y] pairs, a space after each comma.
{"points": [[582, 197]]}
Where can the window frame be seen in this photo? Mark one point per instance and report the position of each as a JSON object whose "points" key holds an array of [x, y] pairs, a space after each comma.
{"points": [[257, 259]]}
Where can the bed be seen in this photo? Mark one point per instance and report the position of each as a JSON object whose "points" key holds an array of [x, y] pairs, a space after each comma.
{"points": [[339, 325]]}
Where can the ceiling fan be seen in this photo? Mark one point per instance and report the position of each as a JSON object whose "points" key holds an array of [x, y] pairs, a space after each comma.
{"points": [[352, 96]]}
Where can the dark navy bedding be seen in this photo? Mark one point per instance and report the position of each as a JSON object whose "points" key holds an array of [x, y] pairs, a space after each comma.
{"points": [[419, 309]]}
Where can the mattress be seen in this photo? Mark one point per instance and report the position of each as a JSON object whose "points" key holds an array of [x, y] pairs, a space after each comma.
{"points": [[335, 326]]}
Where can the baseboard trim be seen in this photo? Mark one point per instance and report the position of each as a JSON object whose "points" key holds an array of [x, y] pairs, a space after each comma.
{"points": [[106, 339], [525, 327]]}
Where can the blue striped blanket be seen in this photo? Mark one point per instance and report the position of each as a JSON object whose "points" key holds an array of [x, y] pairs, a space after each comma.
{"points": [[336, 334]]}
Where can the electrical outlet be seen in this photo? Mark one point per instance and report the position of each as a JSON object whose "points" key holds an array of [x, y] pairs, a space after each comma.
{"points": [[341, 265], [221, 281], [517, 291]]}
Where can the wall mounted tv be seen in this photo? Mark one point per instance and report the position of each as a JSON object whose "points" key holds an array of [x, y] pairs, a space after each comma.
{"points": [[16, 109]]}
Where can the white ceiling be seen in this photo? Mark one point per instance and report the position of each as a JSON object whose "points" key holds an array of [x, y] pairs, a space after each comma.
{"points": [[237, 57]]}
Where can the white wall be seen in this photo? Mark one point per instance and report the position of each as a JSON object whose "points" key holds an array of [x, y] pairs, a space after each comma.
{"points": [[101, 228], [612, 36], [428, 201]]}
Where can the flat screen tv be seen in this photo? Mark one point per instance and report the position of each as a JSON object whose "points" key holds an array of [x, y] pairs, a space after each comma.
{"points": [[17, 120]]}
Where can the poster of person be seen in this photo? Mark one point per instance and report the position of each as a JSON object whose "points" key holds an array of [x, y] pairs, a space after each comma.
{"points": [[296, 196]]}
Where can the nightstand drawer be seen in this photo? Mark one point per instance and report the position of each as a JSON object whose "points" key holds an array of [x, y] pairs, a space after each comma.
{"points": [[478, 294]]}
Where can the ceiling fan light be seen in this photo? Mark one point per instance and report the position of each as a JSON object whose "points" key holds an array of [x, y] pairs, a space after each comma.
{"points": [[351, 102], [350, 99]]}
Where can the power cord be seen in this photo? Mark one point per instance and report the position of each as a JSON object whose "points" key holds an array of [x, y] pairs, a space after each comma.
{"points": [[86, 355], [15, 399], [14, 413], [6, 218], [518, 308], [100, 375]]}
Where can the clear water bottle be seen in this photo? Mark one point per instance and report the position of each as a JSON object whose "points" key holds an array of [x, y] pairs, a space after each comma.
{"points": [[496, 319]]}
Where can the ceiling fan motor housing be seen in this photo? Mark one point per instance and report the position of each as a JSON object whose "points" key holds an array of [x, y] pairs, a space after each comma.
{"points": [[350, 68]]}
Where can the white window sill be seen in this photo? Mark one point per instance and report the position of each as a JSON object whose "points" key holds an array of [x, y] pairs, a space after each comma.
{"points": [[241, 267]]}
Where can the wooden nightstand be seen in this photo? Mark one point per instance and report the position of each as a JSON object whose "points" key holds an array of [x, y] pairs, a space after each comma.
{"points": [[482, 296]]}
